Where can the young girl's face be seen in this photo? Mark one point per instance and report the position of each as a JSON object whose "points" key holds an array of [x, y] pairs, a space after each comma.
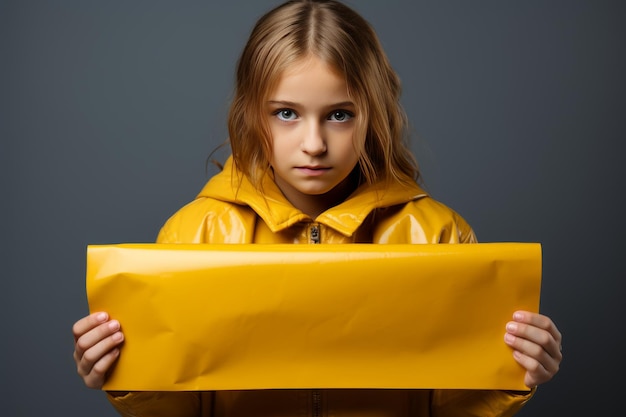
{"points": [[312, 121]]}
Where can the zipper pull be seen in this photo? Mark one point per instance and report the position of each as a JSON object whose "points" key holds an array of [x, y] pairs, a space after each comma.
{"points": [[315, 234]]}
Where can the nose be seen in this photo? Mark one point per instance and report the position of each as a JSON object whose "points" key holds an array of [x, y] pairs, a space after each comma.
{"points": [[313, 140]]}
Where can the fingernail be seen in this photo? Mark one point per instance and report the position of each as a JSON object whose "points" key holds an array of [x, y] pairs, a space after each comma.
{"points": [[101, 317], [114, 325], [518, 316], [118, 337], [511, 327], [509, 338]]}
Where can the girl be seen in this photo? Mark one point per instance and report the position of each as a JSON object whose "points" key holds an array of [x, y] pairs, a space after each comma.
{"points": [[318, 156]]}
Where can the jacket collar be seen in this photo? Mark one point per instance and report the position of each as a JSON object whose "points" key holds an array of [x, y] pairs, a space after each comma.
{"points": [[269, 203]]}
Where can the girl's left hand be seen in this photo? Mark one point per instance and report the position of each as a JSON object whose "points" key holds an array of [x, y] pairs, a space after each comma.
{"points": [[536, 344]]}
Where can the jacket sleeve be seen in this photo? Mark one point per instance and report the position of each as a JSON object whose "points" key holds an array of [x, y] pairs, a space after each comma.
{"points": [[478, 403], [161, 404]]}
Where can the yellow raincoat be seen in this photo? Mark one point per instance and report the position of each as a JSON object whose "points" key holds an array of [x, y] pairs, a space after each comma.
{"points": [[231, 210]]}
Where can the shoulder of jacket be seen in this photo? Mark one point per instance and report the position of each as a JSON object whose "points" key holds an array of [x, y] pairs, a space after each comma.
{"points": [[188, 223], [439, 216], [429, 206]]}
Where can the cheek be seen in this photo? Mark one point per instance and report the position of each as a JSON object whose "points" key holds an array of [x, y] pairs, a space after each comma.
{"points": [[358, 146], [281, 142], [348, 152]]}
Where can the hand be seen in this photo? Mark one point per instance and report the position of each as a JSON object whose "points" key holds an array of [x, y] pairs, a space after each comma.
{"points": [[536, 344], [97, 343]]}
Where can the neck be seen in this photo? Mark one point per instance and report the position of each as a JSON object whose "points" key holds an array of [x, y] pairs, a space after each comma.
{"points": [[315, 204]]}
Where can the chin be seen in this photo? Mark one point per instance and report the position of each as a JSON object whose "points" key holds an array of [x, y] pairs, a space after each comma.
{"points": [[316, 192]]}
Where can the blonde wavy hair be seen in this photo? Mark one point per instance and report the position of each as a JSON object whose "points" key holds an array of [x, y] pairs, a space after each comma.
{"points": [[342, 38]]}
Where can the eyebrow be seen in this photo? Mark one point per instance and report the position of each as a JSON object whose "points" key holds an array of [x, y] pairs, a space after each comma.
{"points": [[294, 104]]}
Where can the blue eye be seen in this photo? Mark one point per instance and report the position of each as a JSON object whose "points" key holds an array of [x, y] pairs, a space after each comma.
{"points": [[286, 115], [340, 116]]}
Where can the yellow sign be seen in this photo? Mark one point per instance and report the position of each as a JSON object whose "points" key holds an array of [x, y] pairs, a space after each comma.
{"points": [[226, 317]]}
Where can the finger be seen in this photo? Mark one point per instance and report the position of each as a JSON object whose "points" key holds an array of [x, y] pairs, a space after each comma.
{"points": [[528, 346], [538, 320], [94, 335], [539, 329], [94, 344], [100, 370], [535, 343], [85, 324], [536, 374], [531, 340]]}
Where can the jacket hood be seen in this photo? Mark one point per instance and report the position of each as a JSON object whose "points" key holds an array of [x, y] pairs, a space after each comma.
{"points": [[270, 204]]}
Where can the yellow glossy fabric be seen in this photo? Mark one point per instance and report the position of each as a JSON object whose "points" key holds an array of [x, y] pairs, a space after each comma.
{"points": [[229, 210]]}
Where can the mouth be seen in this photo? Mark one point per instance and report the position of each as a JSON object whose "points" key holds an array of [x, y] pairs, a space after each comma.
{"points": [[313, 169]]}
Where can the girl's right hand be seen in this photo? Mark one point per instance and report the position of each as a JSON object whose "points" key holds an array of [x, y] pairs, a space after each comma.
{"points": [[97, 341]]}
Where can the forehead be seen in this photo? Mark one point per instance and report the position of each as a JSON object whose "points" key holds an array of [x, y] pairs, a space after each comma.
{"points": [[310, 77], [307, 63]]}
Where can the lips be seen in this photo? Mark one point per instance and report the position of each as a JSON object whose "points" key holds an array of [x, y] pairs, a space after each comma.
{"points": [[313, 170]]}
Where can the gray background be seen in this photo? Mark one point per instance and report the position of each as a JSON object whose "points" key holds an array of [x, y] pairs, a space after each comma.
{"points": [[108, 110]]}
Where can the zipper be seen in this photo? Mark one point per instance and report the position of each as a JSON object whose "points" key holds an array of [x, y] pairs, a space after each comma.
{"points": [[316, 395], [314, 234], [316, 402]]}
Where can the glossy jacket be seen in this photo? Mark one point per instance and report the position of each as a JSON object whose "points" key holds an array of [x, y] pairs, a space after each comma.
{"points": [[230, 210]]}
